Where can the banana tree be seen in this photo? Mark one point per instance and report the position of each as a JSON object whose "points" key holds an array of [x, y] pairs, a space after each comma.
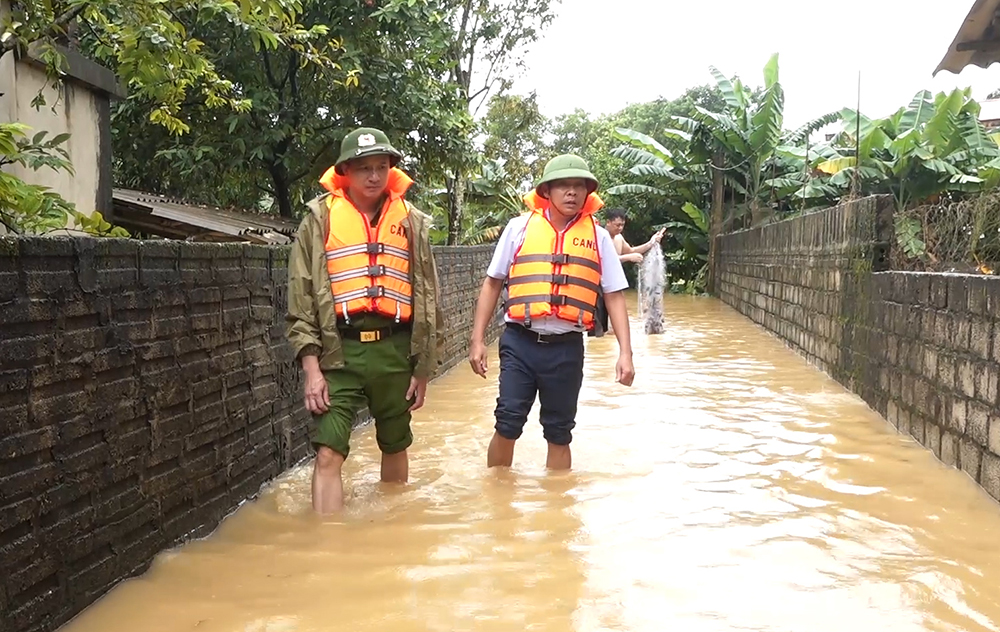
{"points": [[667, 174], [746, 133], [693, 251], [678, 187], [932, 147], [796, 185], [745, 142], [758, 161]]}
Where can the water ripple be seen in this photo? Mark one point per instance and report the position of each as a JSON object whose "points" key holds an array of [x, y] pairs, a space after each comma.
{"points": [[733, 487]]}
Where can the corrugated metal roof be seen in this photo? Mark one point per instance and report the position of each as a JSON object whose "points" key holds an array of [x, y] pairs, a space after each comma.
{"points": [[977, 42], [147, 212]]}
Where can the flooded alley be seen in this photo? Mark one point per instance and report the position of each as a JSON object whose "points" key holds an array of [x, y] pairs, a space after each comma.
{"points": [[733, 487]]}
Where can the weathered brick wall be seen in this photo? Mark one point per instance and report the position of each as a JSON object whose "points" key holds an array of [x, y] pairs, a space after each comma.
{"points": [[804, 278], [922, 349], [938, 348], [461, 270], [146, 390]]}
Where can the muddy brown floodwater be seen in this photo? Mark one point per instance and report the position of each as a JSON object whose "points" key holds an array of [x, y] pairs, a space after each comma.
{"points": [[733, 487]]}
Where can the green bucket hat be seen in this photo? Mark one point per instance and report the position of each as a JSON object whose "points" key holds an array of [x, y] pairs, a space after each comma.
{"points": [[366, 141], [564, 167]]}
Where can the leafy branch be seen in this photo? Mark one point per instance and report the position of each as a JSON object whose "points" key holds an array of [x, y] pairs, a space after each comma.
{"points": [[35, 209]]}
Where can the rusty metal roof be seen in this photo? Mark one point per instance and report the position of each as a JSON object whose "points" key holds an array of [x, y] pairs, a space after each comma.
{"points": [[977, 42], [163, 216]]}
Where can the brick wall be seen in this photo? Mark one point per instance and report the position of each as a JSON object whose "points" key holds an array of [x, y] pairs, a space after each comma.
{"points": [[461, 270], [146, 390], [922, 349]]}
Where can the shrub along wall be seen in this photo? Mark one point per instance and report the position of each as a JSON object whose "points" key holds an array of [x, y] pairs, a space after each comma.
{"points": [[146, 390], [922, 349]]}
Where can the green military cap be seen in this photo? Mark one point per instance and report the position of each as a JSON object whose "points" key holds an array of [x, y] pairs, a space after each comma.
{"points": [[366, 141], [565, 167]]}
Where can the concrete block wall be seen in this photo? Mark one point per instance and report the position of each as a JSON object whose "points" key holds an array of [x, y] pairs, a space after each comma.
{"points": [[146, 390], [937, 348], [461, 270], [922, 349]]}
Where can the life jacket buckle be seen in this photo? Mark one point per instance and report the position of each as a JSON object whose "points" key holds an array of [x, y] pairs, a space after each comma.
{"points": [[375, 271], [560, 258], [376, 291], [375, 248], [560, 279]]}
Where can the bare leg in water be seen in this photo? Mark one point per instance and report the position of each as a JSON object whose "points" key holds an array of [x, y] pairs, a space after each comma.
{"points": [[559, 457], [501, 454], [327, 481], [395, 467]]}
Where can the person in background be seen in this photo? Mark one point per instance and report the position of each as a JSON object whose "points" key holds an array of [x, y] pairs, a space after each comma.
{"points": [[615, 224], [363, 311], [627, 253], [554, 259]]}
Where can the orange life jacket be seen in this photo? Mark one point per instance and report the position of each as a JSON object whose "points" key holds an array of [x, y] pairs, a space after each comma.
{"points": [[369, 268], [556, 274]]}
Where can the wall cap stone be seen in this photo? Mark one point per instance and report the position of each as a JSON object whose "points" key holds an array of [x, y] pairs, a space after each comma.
{"points": [[82, 70]]}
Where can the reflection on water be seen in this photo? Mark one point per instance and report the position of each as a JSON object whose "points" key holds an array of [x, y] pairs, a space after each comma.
{"points": [[733, 487]]}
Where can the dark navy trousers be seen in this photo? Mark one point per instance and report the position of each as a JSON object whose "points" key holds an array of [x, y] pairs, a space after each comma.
{"points": [[553, 370]]}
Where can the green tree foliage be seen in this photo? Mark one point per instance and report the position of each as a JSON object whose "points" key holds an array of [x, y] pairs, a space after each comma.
{"points": [[933, 150], [158, 51], [745, 134], [31, 208], [417, 69], [28, 208], [156, 46], [512, 139], [271, 155], [513, 132], [677, 189], [491, 37], [491, 202], [935, 146]]}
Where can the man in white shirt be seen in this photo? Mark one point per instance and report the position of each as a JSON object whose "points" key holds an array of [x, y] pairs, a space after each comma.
{"points": [[554, 261]]}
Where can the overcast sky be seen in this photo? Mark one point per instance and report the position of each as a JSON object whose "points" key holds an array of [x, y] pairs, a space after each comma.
{"points": [[638, 50]]}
